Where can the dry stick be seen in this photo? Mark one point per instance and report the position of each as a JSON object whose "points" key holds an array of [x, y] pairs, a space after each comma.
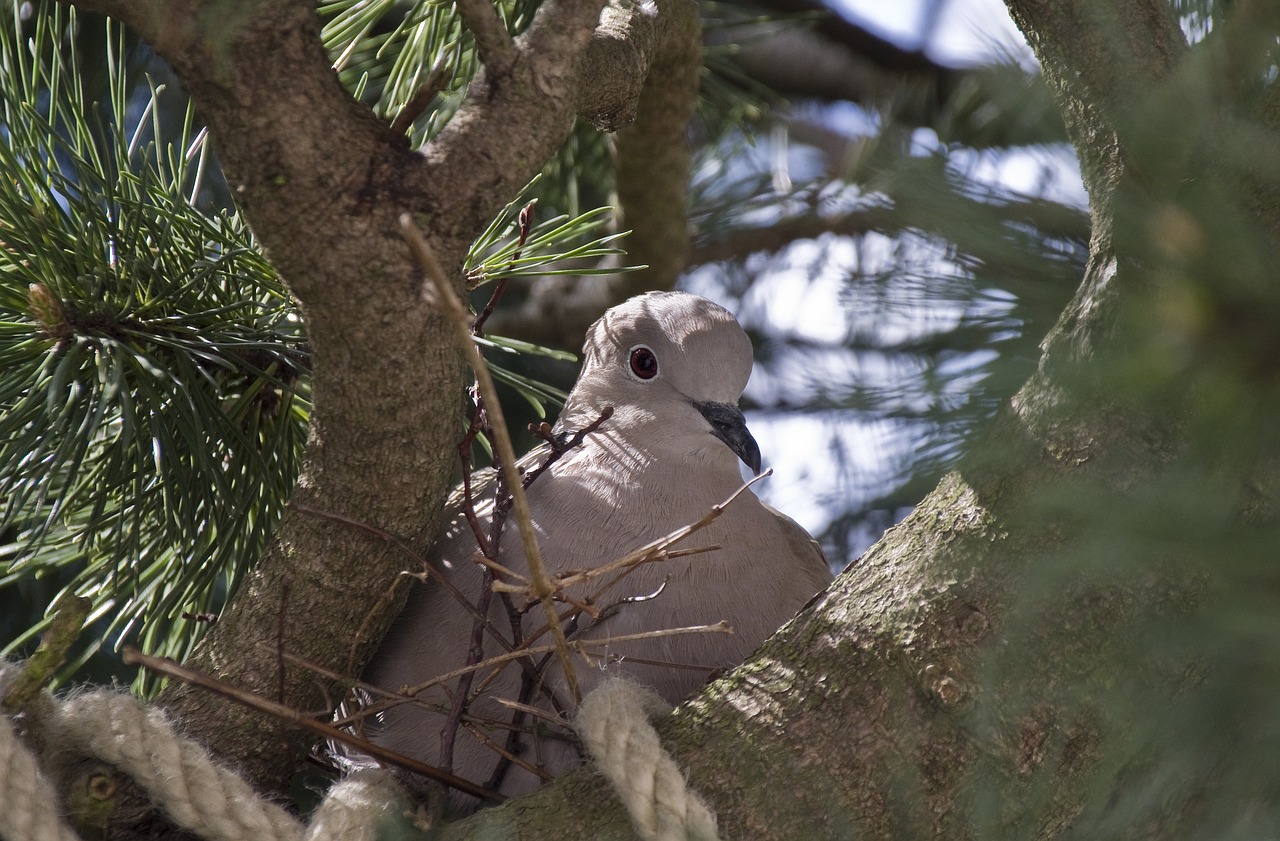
{"points": [[572, 613], [516, 733], [558, 449], [461, 696], [581, 646], [506, 757], [651, 550], [721, 627], [656, 551], [167, 667], [468, 500], [536, 712], [502, 438], [528, 683], [543, 431], [443, 580], [312, 666], [496, 567], [488, 547], [525, 220]]}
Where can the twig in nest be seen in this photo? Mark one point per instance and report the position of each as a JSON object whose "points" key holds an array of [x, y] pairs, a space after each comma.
{"points": [[316, 668], [444, 294], [656, 551], [427, 567], [536, 712], [494, 566], [507, 755], [559, 447], [167, 667], [464, 455], [661, 544], [499, 288], [488, 546], [721, 627]]}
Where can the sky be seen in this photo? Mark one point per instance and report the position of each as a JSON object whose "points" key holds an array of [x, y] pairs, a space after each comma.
{"points": [[966, 31], [808, 301]]}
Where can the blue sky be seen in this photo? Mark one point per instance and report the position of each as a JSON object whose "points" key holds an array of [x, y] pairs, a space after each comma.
{"points": [[967, 31], [803, 293]]}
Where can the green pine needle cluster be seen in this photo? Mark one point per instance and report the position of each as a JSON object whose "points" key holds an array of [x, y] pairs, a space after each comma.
{"points": [[154, 371], [385, 51], [154, 398]]}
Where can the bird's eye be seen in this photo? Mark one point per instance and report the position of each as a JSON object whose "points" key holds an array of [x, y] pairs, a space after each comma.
{"points": [[643, 363]]}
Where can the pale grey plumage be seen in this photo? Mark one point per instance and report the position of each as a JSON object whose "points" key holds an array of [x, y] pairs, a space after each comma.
{"points": [[657, 464]]}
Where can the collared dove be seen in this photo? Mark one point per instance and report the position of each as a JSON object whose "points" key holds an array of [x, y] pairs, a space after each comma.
{"points": [[672, 367]]}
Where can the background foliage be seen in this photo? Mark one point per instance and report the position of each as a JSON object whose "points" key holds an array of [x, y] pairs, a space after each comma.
{"points": [[154, 370]]}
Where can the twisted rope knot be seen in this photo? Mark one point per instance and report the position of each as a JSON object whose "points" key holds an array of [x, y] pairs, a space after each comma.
{"points": [[614, 725], [215, 804]]}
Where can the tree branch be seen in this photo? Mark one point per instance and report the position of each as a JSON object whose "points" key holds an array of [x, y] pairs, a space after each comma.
{"points": [[651, 63], [1111, 60], [493, 42]]}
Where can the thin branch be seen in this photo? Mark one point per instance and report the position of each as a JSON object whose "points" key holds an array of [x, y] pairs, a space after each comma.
{"points": [[661, 544], [502, 437], [526, 223], [312, 666], [537, 712], [464, 456], [167, 667], [508, 757], [475, 653], [497, 51], [69, 615], [581, 646], [558, 448]]}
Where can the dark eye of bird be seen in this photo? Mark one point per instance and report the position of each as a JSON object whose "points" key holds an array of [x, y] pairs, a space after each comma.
{"points": [[643, 363]]}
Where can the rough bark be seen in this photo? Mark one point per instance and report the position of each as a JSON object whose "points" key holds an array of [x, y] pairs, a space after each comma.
{"points": [[653, 159]]}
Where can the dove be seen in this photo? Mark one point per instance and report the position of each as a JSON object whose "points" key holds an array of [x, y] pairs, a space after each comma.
{"points": [[661, 378]]}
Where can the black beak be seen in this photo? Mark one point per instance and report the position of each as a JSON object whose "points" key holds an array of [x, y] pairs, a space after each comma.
{"points": [[728, 424]]}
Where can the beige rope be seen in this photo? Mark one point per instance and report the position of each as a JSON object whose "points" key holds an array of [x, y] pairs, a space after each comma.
{"points": [[614, 725]]}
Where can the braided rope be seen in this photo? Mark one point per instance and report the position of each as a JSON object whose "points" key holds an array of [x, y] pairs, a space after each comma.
{"points": [[217, 805], [614, 724], [365, 806], [180, 776], [30, 809], [199, 795]]}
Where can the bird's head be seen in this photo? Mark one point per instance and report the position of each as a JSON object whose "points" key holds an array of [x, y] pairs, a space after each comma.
{"points": [[673, 362]]}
